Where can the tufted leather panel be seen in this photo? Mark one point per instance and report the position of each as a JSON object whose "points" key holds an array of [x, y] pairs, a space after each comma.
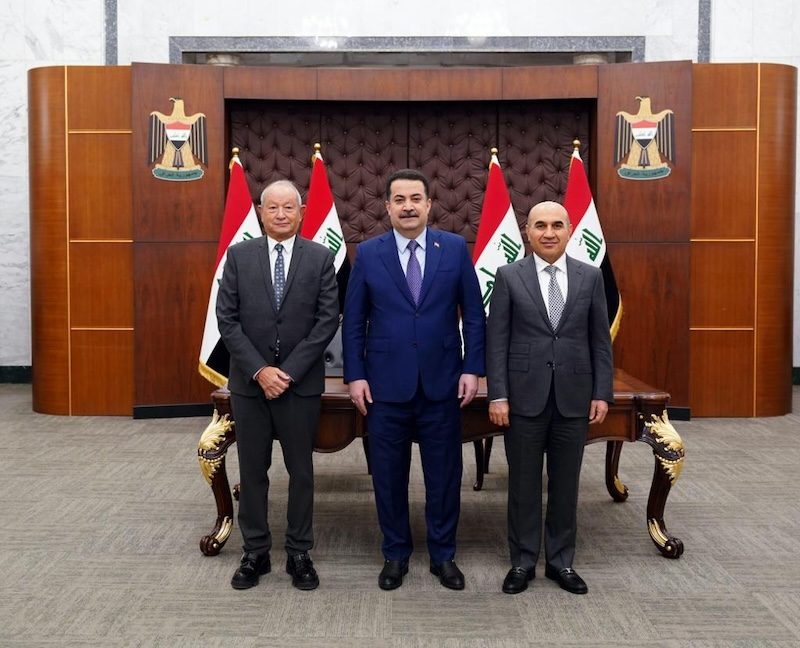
{"points": [[364, 142]]}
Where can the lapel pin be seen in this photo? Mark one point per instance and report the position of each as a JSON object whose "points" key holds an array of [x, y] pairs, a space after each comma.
{"points": [[436, 244]]}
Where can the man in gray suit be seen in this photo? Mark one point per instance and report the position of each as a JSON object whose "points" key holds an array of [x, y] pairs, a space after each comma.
{"points": [[277, 309], [550, 374]]}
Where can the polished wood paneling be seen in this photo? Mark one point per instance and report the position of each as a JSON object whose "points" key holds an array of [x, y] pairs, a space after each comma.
{"points": [[645, 210], [723, 184], [275, 82], [102, 372], [178, 211], [99, 97], [101, 284], [363, 84], [722, 373], [171, 285], [725, 95], [100, 186], [455, 84], [653, 342], [775, 258], [552, 82], [47, 169], [723, 284]]}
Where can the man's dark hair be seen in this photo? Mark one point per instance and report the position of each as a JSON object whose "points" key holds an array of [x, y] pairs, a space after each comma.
{"points": [[407, 174]]}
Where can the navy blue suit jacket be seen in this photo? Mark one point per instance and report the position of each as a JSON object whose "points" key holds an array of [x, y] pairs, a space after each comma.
{"points": [[393, 343]]}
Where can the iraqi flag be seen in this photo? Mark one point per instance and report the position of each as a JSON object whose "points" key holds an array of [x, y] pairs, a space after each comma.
{"points": [[321, 221], [498, 241], [238, 224], [588, 243]]}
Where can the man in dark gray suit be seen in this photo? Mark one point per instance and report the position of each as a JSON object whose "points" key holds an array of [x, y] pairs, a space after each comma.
{"points": [[277, 309], [549, 371]]}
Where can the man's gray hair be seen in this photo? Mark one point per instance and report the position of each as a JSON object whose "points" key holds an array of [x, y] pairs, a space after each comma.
{"points": [[281, 183]]}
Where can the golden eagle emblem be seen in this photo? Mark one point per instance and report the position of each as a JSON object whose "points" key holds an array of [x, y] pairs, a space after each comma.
{"points": [[642, 140], [180, 141]]}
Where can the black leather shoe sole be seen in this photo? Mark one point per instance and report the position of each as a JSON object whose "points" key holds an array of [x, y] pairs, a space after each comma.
{"points": [[516, 581], [569, 581], [391, 576], [246, 581]]}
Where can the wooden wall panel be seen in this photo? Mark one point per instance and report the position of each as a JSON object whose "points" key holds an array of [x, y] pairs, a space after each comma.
{"points": [[552, 82], [723, 284], [171, 282], [178, 211], [455, 84], [725, 96], [724, 167], [99, 97], [722, 373], [279, 82], [653, 340], [363, 84], [102, 372], [101, 285], [47, 160], [775, 254], [100, 186]]}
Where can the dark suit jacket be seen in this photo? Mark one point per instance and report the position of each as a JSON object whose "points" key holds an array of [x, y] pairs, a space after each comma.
{"points": [[251, 326], [524, 353], [393, 343]]}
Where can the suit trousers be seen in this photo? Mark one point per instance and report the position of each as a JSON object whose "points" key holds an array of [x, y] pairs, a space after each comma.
{"points": [[436, 426], [293, 421], [526, 442]]}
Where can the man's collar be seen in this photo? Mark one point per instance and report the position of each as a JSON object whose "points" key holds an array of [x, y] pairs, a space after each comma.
{"points": [[402, 241], [288, 244], [541, 264]]}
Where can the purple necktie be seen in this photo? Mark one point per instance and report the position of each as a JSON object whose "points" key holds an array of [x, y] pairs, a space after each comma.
{"points": [[414, 272]]}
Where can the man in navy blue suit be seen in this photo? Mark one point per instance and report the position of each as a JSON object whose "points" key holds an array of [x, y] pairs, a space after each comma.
{"points": [[404, 365]]}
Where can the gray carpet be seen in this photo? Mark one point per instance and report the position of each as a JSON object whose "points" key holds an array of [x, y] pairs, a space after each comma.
{"points": [[102, 517]]}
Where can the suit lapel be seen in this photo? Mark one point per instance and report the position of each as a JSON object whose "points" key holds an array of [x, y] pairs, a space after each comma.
{"points": [[266, 271], [574, 283], [390, 258], [433, 254], [530, 279], [297, 254]]}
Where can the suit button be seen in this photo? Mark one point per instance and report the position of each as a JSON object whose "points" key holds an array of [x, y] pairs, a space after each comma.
{"points": [[279, 321], [555, 337], [414, 344]]}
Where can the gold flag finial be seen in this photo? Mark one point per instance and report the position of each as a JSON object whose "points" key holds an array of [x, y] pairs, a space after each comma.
{"points": [[576, 144], [493, 150], [235, 156], [317, 147]]}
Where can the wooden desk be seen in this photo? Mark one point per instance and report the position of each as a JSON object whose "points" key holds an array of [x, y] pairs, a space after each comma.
{"points": [[638, 414]]}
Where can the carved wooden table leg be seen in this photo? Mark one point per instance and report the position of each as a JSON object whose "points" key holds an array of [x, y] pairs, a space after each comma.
{"points": [[211, 451], [669, 453], [479, 465], [617, 490], [487, 452]]}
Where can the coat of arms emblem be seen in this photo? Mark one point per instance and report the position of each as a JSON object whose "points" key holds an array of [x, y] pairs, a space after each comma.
{"points": [[179, 140], [642, 140]]}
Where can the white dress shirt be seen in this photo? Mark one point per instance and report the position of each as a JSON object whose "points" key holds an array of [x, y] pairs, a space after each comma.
{"points": [[404, 253], [544, 278]]}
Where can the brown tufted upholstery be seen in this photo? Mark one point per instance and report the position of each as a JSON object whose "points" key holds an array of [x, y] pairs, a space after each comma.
{"points": [[364, 142]]}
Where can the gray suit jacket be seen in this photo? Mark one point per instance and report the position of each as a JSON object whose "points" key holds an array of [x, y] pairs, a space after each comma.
{"points": [[251, 325], [524, 354]]}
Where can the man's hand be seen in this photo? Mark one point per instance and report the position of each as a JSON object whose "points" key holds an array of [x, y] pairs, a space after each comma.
{"points": [[597, 411], [360, 395], [498, 413], [273, 381], [467, 388]]}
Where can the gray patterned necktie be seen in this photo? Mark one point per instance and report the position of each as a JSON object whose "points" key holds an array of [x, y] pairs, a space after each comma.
{"points": [[280, 275], [555, 300], [414, 272]]}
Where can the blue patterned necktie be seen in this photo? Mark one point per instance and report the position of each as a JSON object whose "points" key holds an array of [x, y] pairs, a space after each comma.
{"points": [[555, 300], [414, 272], [280, 275]]}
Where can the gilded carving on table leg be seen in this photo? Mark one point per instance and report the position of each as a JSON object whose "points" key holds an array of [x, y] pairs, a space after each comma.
{"points": [[669, 453], [211, 450]]}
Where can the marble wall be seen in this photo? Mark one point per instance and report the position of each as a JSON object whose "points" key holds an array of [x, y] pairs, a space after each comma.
{"points": [[62, 32]]}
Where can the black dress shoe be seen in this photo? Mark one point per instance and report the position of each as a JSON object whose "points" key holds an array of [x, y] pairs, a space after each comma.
{"points": [[391, 576], [517, 578], [252, 566], [567, 579], [301, 568], [449, 574]]}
